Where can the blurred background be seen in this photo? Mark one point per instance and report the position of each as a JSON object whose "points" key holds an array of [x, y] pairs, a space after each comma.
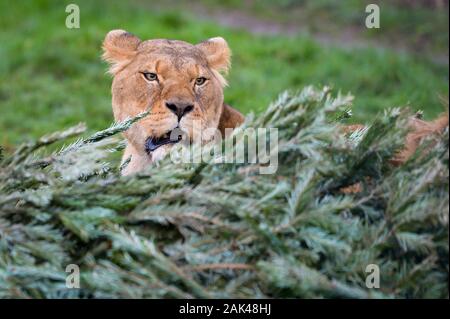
{"points": [[52, 77]]}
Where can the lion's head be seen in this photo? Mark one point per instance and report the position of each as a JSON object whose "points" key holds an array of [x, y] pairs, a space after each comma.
{"points": [[180, 83]]}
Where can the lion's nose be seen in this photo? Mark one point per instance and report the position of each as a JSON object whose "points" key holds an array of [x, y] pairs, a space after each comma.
{"points": [[179, 108]]}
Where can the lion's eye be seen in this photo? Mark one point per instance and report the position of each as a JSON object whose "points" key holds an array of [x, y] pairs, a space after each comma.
{"points": [[150, 76], [200, 81]]}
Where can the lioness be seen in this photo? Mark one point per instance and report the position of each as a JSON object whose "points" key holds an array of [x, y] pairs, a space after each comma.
{"points": [[179, 82], [182, 84]]}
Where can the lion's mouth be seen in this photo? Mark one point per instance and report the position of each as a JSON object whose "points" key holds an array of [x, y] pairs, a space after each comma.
{"points": [[172, 137]]}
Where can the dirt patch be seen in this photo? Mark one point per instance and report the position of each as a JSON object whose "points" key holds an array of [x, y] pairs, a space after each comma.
{"points": [[346, 37]]}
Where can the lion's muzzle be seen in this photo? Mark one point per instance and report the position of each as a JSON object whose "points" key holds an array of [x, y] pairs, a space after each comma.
{"points": [[172, 137]]}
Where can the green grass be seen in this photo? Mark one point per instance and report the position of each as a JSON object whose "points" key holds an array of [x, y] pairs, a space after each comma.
{"points": [[52, 77]]}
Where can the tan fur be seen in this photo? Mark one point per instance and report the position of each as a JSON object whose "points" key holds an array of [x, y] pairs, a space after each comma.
{"points": [[230, 118], [177, 65], [419, 129]]}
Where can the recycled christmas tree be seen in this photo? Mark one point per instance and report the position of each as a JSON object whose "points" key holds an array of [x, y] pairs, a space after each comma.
{"points": [[207, 230]]}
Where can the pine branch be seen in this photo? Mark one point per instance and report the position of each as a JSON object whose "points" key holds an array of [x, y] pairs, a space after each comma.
{"points": [[206, 230]]}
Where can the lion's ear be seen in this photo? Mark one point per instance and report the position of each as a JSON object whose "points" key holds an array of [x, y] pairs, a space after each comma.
{"points": [[119, 47], [217, 53]]}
